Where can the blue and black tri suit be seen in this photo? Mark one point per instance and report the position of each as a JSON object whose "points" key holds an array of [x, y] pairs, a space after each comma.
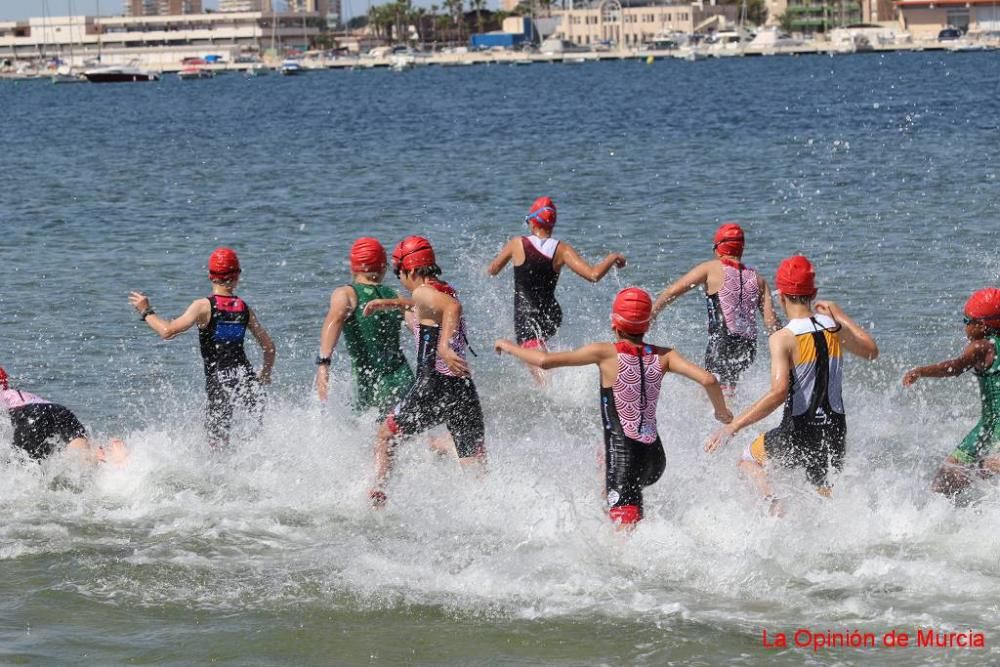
{"points": [[229, 376]]}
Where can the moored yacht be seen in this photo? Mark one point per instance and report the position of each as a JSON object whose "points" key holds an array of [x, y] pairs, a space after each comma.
{"points": [[119, 74]]}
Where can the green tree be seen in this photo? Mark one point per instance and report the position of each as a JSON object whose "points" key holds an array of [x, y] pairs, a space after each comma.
{"points": [[478, 6]]}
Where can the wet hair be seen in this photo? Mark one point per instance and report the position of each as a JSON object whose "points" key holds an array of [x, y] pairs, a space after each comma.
{"points": [[635, 339], [228, 281], [432, 271], [801, 300]]}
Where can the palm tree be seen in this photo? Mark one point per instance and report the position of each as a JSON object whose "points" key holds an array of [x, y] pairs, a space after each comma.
{"points": [[478, 6]]}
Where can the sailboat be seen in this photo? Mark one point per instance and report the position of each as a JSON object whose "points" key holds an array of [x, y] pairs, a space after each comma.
{"points": [[69, 76]]}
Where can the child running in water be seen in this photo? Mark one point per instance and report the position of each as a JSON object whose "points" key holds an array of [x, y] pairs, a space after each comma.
{"points": [[223, 319], [631, 374], [981, 447], [443, 391], [42, 427], [381, 374], [734, 291], [806, 372], [538, 260]]}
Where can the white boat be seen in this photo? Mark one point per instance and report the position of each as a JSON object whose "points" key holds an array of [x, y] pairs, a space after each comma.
{"points": [[120, 74], [61, 78], [257, 69], [401, 63], [292, 68], [193, 73]]}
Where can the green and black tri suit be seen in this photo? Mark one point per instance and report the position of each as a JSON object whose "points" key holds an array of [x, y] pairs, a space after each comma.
{"points": [[984, 439], [381, 373]]}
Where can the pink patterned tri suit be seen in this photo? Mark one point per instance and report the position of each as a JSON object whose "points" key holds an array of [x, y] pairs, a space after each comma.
{"points": [[732, 323], [40, 426], [438, 395], [13, 398], [633, 452]]}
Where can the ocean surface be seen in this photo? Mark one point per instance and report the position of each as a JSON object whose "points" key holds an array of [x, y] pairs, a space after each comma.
{"points": [[881, 168]]}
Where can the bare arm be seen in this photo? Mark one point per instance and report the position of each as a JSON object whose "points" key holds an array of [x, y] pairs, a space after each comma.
{"points": [[199, 312], [386, 304], [594, 353], [771, 321], [500, 261], [340, 310], [428, 298], [769, 402], [696, 276], [855, 339], [580, 267], [673, 362], [266, 347], [975, 355]]}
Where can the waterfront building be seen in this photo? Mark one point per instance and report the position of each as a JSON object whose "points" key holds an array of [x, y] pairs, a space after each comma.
{"points": [[630, 23], [156, 42], [924, 19], [321, 7], [812, 16], [245, 6], [160, 7]]}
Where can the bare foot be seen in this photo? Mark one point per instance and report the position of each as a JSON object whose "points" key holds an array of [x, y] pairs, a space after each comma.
{"points": [[377, 498]]}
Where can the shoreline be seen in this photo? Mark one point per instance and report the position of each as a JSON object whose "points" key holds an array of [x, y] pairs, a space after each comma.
{"points": [[405, 61]]}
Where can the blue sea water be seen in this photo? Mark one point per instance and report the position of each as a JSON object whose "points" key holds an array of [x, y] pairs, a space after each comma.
{"points": [[881, 168]]}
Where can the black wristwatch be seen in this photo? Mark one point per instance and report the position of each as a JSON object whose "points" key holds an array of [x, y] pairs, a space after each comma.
{"points": [[322, 361], [146, 313]]}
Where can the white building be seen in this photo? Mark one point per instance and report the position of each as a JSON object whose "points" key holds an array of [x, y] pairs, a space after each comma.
{"points": [[157, 42], [245, 6]]}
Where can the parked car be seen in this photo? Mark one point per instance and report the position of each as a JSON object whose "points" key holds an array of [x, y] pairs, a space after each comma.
{"points": [[949, 34]]}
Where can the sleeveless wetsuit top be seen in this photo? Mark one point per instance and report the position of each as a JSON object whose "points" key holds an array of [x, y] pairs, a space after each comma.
{"points": [[427, 336], [536, 312], [636, 390], [12, 398], [989, 385], [373, 341], [733, 308], [222, 339], [816, 377]]}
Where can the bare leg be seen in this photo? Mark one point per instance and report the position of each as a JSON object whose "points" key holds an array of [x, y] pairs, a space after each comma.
{"points": [[443, 446], [540, 378], [79, 444], [475, 463], [756, 473], [951, 478], [991, 466], [385, 442]]}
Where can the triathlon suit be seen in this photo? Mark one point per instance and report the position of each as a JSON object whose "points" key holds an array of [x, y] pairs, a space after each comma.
{"points": [[39, 426], [732, 323], [381, 374], [633, 453], [813, 429], [537, 315], [229, 377], [984, 439], [438, 395]]}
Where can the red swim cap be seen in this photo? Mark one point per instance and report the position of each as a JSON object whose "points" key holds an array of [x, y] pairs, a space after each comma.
{"points": [[542, 213], [796, 277], [413, 252], [223, 264], [3, 379], [632, 311], [984, 306], [367, 255], [729, 240]]}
